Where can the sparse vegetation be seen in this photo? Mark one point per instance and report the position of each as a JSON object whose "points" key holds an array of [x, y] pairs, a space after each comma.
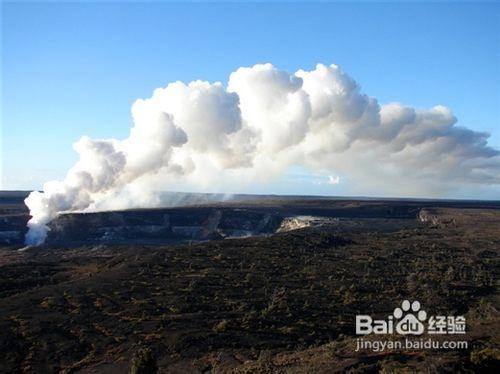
{"points": [[252, 305], [144, 362]]}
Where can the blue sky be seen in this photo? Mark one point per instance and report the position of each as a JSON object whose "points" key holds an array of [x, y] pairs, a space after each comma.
{"points": [[70, 69]]}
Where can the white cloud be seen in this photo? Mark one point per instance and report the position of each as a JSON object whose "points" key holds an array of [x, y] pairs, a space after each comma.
{"points": [[266, 121]]}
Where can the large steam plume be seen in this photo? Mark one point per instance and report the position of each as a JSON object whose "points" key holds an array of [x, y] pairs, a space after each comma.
{"points": [[265, 121]]}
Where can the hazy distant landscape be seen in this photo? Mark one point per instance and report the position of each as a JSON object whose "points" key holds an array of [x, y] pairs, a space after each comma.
{"points": [[263, 284]]}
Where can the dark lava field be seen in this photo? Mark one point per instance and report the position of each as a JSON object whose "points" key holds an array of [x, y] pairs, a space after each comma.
{"points": [[269, 285]]}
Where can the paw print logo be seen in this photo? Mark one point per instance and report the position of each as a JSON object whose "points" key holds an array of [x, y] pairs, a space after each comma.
{"points": [[412, 318]]}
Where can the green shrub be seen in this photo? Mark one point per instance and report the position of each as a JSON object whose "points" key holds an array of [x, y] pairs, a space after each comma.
{"points": [[221, 326], [486, 358], [144, 362]]}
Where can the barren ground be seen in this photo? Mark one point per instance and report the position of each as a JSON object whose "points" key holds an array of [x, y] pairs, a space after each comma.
{"points": [[283, 303]]}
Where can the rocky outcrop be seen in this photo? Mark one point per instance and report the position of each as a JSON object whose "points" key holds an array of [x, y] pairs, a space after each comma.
{"points": [[436, 217], [201, 223], [13, 228], [298, 222]]}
